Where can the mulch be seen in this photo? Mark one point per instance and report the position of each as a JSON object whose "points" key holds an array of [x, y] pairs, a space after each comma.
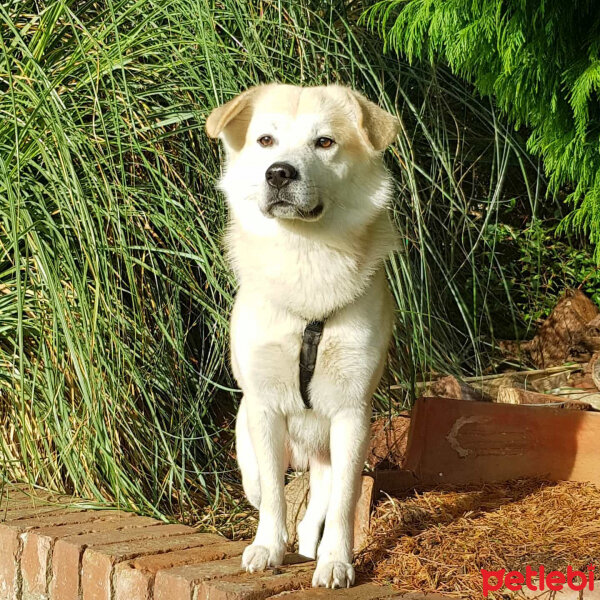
{"points": [[438, 541]]}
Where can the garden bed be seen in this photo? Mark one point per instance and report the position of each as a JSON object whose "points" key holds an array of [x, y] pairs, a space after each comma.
{"points": [[439, 540]]}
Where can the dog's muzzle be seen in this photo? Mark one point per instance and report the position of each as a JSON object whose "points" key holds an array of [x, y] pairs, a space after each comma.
{"points": [[282, 200], [284, 206]]}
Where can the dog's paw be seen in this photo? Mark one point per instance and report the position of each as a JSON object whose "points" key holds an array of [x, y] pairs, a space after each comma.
{"points": [[258, 558], [333, 574]]}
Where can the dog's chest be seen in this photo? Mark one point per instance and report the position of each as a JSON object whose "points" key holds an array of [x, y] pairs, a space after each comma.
{"points": [[267, 355], [308, 280], [284, 285]]}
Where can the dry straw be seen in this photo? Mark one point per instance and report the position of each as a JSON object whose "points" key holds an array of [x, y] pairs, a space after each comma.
{"points": [[439, 541]]}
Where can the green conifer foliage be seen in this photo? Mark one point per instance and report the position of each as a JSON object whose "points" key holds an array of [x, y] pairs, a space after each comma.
{"points": [[539, 59]]}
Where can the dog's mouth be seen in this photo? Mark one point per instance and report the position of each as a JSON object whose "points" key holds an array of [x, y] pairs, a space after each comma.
{"points": [[314, 214], [287, 210]]}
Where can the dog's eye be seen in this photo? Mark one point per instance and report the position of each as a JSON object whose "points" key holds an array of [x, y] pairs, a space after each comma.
{"points": [[265, 141], [324, 142]]}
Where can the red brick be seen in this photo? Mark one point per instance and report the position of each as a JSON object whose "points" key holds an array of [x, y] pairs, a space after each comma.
{"points": [[257, 586], [11, 551], [131, 583], [9, 504], [34, 565], [362, 591], [38, 543], [116, 556], [34, 502], [98, 562], [9, 539], [179, 583], [64, 584], [13, 494], [67, 554], [70, 517], [9, 556], [226, 579], [31, 512], [133, 580]]}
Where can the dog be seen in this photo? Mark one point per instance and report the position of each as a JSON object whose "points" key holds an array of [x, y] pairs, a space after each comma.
{"points": [[309, 231]]}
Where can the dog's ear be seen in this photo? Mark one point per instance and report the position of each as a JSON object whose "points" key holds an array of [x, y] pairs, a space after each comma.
{"points": [[229, 121], [378, 127]]}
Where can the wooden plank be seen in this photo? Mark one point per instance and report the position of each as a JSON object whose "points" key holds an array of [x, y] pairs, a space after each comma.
{"points": [[461, 442]]}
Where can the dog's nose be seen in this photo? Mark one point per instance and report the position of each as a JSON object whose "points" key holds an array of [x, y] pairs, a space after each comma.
{"points": [[280, 174]]}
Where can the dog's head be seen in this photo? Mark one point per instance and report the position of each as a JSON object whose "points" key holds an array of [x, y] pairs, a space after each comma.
{"points": [[302, 153]]}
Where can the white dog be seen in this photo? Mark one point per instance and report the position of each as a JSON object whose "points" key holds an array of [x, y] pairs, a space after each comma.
{"points": [[308, 236]]}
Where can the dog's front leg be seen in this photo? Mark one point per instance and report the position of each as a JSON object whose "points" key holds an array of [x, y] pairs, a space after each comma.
{"points": [[348, 442], [267, 432]]}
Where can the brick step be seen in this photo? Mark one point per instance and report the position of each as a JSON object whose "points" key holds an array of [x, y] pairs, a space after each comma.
{"points": [[51, 548], [361, 591]]}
